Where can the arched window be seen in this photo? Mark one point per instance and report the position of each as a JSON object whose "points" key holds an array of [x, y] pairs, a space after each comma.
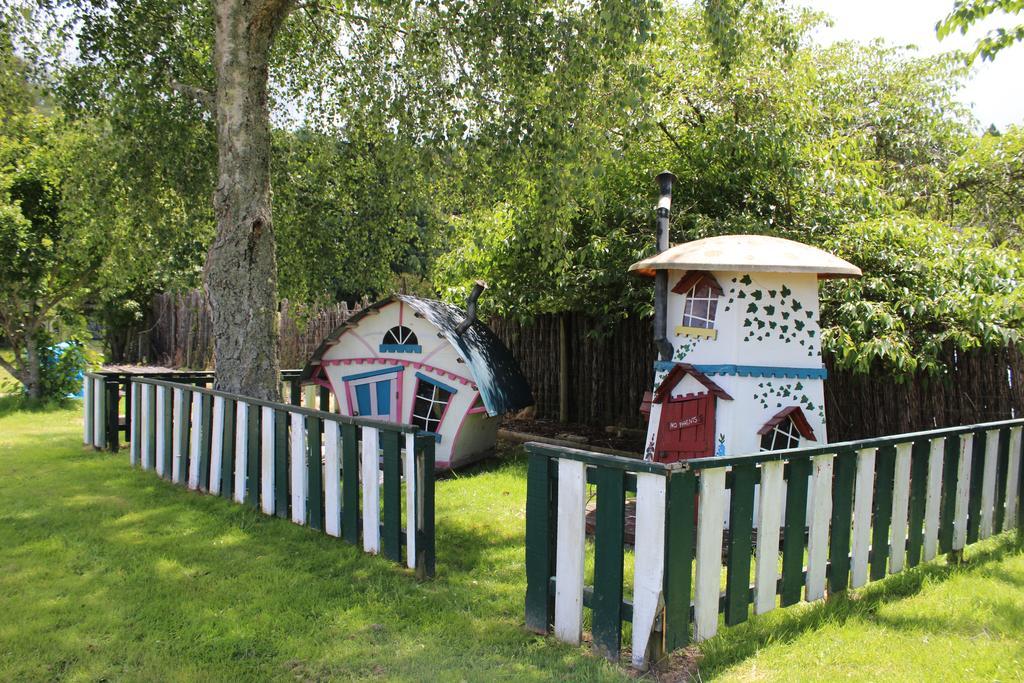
{"points": [[400, 339], [785, 430]]}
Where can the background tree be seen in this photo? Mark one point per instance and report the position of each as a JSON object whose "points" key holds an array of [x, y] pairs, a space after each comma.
{"points": [[967, 13]]}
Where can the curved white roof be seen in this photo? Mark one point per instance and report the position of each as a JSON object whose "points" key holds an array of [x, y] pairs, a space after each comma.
{"points": [[747, 253]]}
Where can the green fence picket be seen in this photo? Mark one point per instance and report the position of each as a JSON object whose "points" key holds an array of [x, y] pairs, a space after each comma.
{"points": [[843, 479], [885, 470], [253, 457], [1002, 464], [281, 473], [950, 474], [919, 454], [540, 530], [609, 535], [740, 546], [315, 483], [977, 476], [350, 483], [793, 542], [680, 537], [391, 541], [205, 440], [227, 458]]}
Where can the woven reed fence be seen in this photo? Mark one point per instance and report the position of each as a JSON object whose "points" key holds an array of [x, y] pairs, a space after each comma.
{"points": [[609, 365]]}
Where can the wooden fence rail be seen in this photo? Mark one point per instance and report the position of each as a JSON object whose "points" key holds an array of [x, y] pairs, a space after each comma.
{"points": [[340, 475], [856, 511]]}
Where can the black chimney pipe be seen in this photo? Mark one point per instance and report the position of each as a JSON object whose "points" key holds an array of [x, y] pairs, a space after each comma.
{"points": [[665, 180], [478, 289]]}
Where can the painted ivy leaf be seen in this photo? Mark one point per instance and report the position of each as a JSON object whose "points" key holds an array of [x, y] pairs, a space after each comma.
{"points": [[810, 314], [769, 309], [752, 308], [757, 294], [784, 329], [760, 324], [810, 333], [772, 293], [796, 305], [786, 291], [785, 315], [772, 324], [799, 386], [746, 279], [741, 295], [799, 325]]}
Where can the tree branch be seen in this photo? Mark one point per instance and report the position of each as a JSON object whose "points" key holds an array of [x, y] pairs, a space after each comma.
{"points": [[672, 138], [11, 370], [201, 95]]}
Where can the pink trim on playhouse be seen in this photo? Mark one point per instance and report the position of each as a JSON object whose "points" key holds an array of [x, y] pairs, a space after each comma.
{"points": [[400, 361], [474, 408], [362, 341], [434, 352]]}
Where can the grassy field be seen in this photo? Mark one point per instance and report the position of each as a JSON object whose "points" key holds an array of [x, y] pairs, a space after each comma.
{"points": [[109, 573]]}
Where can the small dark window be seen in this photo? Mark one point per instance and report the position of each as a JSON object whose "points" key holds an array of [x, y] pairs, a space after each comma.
{"points": [[782, 436], [400, 335], [429, 407]]}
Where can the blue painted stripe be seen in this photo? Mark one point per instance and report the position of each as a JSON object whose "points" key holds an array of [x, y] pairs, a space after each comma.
{"points": [[400, 348], [374, 373], [437, 383], [751, 370]]}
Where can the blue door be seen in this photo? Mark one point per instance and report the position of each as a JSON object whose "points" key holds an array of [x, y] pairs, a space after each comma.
{"points": [[373, 399]]}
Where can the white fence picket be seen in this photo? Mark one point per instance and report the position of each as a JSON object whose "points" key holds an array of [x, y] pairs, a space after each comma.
{"points": [[133, 417], [963, 490], [177, 447], [933, 499], [821, 514], [988, 484], [145, 436], [1012, 477], [371, 490], [299, 478], [710, 523], [900, 509], [241, 449], [332, 480], [216, 444], [195, 440], [411, 514], [99, 432], [267, 461], [649, 564], [863, 497], [569, 550], [161, 429], [769, 522], [87, 399]]}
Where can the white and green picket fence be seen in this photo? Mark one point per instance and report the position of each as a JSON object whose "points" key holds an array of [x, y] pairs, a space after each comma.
{"points": [[349, 477], [827, 519]]}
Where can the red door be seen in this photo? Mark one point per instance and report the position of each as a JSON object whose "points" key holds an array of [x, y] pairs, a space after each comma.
{"points": [[686, 429]]}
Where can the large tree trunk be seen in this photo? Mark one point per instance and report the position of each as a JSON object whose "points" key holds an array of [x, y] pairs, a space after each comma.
{"points": [[241, 267], [33, 380]]}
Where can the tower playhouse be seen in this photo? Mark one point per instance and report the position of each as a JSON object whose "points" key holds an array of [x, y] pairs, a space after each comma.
{"points": [[736, 323]]}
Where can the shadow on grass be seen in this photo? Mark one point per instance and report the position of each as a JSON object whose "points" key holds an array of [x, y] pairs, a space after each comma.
{"points": [[735, 644], [15, 403]]}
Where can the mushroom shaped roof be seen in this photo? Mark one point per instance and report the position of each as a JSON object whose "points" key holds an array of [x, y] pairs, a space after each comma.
{"points": [[747, 253]]}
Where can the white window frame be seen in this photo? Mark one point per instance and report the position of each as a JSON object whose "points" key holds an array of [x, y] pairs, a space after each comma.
{"points": [[786, 430], [698, 321], [432, 401]]}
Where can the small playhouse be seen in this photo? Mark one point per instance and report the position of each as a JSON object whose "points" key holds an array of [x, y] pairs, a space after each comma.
{"points": [[424, 362], [744, 370]]}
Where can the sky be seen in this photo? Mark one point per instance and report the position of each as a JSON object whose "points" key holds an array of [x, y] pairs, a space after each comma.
{"points": [[995, 91]]}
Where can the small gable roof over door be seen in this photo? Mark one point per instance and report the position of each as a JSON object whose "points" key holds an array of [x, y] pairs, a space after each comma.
{"points": [[794, 413], [677, 373], [494, 369]]}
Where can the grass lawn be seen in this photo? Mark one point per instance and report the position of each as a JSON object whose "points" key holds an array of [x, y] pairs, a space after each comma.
{"points": [[110, 573]]}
